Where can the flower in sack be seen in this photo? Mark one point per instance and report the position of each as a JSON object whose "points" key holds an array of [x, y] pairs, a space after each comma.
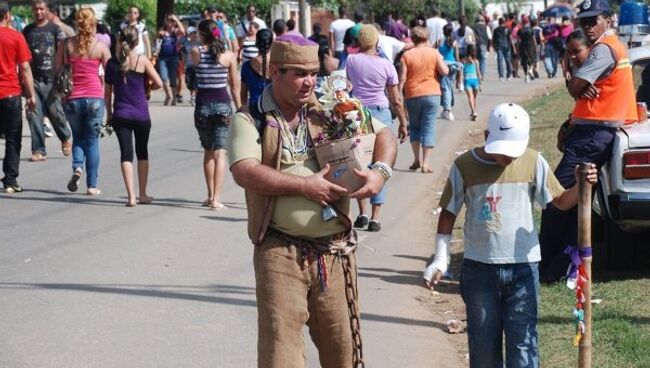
{"points": [[353, 118], [344, 117]]}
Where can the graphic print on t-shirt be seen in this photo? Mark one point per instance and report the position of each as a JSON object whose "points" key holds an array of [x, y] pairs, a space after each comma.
{"points": [[490, 214], [42, 43]]}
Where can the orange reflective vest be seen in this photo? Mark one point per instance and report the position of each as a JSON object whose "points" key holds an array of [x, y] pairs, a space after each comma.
{"points": [[617, 100]]}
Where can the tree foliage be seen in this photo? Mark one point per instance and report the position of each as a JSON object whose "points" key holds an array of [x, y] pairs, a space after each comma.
{"points": [[376, 10], [235, 9], [117, 9]]}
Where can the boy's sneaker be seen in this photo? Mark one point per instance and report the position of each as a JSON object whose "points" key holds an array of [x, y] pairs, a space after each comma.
{"points": [[361, 222], [500, 79], [374, 226], [527, 78], [14, 188], [461, 88]]}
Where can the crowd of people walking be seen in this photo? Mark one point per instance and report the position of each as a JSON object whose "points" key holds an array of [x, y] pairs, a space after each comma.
{"points": [[253, 89]]}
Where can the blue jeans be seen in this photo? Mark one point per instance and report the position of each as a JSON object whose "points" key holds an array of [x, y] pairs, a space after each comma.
{"points": [[85, 116], [47, 103], [383, 114], [504, 61], [551, 56], [447, 86], [422, 119], [482, 55], [168, 68], [501, 298]]}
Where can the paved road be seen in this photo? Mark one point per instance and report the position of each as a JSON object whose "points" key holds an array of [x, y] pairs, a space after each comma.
{"points": [[87, 282]]}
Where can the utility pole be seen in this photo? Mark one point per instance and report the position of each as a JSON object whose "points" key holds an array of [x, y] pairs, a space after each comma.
{"points": [[461, 11], [302, 6]]}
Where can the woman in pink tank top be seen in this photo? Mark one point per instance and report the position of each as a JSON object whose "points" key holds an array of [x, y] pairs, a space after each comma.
{"points": [[84, 106]]}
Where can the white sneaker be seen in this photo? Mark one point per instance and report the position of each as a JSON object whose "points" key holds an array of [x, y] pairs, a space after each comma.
{"points": [[47, 129], [444, 114], [500, 79], [527, 79], [509, 78], [450, 116], [461, 88]]}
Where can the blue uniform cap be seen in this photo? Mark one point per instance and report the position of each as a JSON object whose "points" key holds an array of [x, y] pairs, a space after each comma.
{"points": [[593, 8]]}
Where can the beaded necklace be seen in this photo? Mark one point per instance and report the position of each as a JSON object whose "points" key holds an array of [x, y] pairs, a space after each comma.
{"points": [[297, 143]]}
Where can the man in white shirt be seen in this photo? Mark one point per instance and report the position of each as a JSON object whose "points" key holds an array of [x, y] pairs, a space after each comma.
{"points": [[337, 31], [242, 27], [434, 26]]}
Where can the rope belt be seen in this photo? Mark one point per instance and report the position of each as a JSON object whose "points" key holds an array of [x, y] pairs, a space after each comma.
{"points": [[340, 245]]}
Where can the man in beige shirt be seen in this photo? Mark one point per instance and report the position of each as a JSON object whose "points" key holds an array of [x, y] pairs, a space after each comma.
{"points": [[305, 267]]}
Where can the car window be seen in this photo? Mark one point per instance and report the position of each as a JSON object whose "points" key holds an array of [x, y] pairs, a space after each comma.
{"points": [[641, 73]]}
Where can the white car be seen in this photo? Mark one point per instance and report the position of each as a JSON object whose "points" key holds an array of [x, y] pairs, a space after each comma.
{"points": [[623, 194]]}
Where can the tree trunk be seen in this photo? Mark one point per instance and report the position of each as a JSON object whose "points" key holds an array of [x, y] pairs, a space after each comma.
{"points": [[164, 7]]}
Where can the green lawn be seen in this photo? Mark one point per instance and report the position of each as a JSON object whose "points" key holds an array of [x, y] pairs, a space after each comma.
{"points": [[621, 323]]}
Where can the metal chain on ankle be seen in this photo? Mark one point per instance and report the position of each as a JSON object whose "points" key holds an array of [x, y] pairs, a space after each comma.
{"points": [[353, 313]]}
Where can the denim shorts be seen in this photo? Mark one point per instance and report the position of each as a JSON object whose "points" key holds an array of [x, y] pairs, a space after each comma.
{"points": [[168, 68], [212, 121]]}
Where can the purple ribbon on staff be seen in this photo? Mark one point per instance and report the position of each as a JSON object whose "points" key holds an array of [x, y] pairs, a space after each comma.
{"points": [[576, 254]]}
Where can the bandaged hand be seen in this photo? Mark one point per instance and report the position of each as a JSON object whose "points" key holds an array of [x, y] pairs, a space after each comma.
{"points": [[433, 273]]}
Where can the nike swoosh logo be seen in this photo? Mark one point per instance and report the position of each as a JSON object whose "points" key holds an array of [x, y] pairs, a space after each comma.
{"points": [[502, 128]]}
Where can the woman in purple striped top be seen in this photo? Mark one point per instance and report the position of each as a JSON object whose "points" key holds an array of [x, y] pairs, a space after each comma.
{"points": [[126, 78], [217, 78]]}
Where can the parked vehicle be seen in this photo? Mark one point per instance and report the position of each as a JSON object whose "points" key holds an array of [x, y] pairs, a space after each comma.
{"points": [[623, 196]]}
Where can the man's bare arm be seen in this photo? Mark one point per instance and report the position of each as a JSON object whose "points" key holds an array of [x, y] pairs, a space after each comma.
{"points": [[28, 84]]}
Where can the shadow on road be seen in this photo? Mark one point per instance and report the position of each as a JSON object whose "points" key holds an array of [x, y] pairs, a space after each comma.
{"points": [[161, 291], [224, 218]]}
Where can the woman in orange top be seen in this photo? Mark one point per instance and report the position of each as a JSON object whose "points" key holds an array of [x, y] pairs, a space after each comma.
{"points": [[418, 77]]}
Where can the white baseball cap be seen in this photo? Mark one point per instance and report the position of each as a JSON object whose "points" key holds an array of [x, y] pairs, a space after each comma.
{"points": [[191, 30], [508, 128]]}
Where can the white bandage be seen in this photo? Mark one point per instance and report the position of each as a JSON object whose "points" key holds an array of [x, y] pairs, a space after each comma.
{"points": [[441, 261]]}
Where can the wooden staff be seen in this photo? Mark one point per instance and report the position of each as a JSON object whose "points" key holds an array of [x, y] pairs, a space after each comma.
{"points": [[584, 242]]}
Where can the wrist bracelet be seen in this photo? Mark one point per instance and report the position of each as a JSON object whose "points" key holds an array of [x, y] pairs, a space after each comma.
{"points": [[383, 168]]}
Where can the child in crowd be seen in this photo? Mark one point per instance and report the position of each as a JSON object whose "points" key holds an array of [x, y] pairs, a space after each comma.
{"points": [[499, 282], [576, 53], [472, 78], [189, 43], [449, 49]]}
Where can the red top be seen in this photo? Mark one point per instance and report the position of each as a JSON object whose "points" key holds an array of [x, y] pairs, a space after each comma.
{"points": [[13, 51]]}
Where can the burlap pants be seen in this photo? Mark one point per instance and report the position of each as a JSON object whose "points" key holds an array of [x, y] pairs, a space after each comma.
{"points": [[289, 295]]}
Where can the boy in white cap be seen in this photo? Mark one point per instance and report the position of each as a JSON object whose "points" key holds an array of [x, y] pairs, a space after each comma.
{"points": [[499, 184]]}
